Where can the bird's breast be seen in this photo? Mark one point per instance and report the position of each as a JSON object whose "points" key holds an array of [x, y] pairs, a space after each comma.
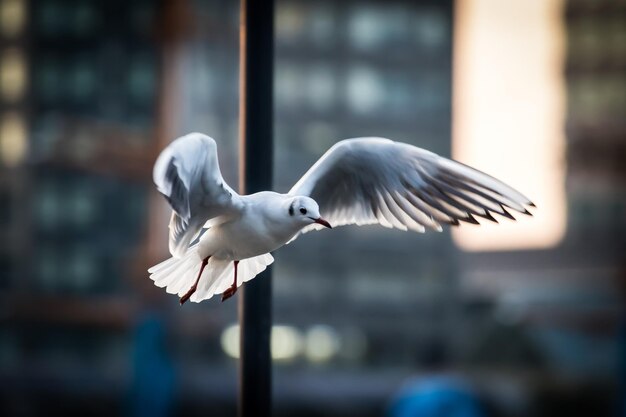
{"points": [[244, 238]]}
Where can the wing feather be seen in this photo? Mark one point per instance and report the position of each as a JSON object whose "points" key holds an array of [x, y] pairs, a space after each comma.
{"points": [[187, 173], [378, 181]]}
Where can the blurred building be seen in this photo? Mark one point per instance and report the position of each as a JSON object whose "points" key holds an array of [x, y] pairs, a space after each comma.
{"points": [[90, 91], [79, 100]]}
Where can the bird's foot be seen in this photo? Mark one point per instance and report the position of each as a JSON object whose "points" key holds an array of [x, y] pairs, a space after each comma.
{"points": [[229, 292], [188, 295]]}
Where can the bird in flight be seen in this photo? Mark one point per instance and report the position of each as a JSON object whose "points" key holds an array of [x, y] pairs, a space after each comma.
{"points": [[220, 239]]}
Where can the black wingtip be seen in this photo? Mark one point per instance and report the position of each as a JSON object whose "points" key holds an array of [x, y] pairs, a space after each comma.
{"points": [[470, 219], [506, 213], [452, 222], [489, 217], [531, 204], [528, 213]]}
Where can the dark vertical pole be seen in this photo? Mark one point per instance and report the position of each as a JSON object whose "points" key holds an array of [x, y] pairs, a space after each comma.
{"points": [[255, 173]]}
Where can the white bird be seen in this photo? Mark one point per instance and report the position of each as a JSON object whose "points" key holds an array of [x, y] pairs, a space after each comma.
{"points": [[357, 181]]}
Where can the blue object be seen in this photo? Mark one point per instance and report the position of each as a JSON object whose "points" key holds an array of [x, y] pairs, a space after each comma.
{"points": [[438, 396], [152, 389]]}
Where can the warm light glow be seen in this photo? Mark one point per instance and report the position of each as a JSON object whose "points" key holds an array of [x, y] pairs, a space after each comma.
{"points": [[509, 113], [12, 74], [322, 343], [12, 17], [230, 341], [13, 139], [286, 342]]}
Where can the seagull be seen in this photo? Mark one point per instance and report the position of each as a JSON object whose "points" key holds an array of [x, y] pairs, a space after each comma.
{"points": [[219, 239]]}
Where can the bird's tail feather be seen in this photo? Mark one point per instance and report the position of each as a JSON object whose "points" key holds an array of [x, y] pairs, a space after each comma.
{"points": [[177, 275]]}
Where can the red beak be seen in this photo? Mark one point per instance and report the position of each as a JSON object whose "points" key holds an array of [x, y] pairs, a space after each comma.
{"points": [[323, 223]]}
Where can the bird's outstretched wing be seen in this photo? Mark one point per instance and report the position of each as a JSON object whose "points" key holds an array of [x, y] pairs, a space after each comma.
{"points": [[187, 173], [378, 181]]}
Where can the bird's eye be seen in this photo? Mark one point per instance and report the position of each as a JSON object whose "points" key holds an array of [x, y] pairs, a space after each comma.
{"points": [[302, 210]]}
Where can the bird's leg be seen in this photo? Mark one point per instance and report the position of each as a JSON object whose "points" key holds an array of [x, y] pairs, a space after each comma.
{"points": [[233, 288], [193, 288]]}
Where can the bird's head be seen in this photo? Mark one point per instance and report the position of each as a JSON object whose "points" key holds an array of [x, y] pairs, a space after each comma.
{"points": [[305, 210]]}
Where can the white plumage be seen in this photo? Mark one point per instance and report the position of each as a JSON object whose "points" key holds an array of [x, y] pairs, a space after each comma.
{"points": [[357, 181], [177, 274], [187, 173]]}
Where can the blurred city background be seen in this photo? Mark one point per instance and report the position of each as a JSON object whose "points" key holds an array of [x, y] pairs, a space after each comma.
{"points": [[523, 319]]}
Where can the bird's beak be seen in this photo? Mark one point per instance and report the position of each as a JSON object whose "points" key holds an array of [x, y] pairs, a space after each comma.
{"points": [[323, 222]]}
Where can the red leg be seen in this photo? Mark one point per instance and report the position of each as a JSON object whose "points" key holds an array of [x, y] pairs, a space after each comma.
{"points": [[193, 288], [233, 288]]}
